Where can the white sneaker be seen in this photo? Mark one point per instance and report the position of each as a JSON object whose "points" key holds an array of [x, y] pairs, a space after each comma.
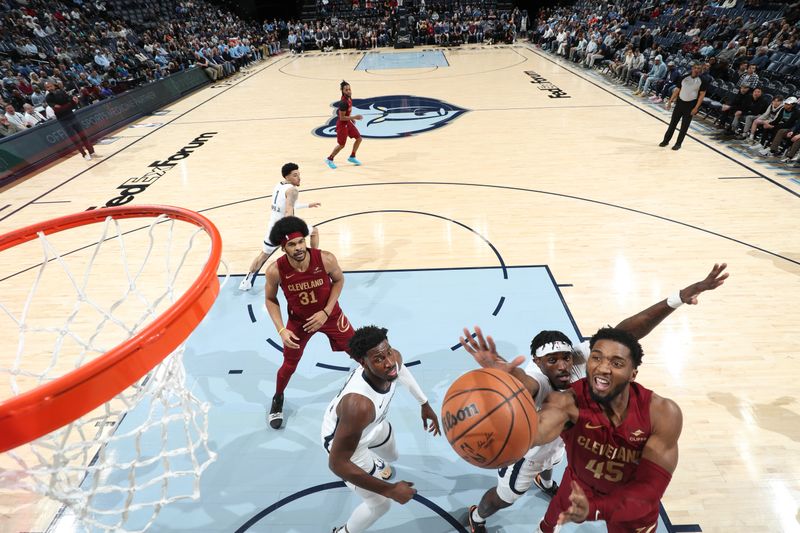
{"points": [[765, 152], [247, 282], [87, 157]]}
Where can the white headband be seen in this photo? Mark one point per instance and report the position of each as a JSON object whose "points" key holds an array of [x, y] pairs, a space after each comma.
{"points": [[552, 347]]}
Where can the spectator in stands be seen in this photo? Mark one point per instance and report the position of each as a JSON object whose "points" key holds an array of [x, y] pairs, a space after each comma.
{"points": [[657, 73], [32, 117], [14, 117], [37, 98], [756, 107], [783, 127], [761, 59], [576, 53], [734, 108], [687, 96], [763, 121], [7, 128], [727, 55], [639, 63], [101, 60], [664, 90], [750, 78]]}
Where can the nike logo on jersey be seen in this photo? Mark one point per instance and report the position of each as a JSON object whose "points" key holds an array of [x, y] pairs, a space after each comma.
{"points": [[317, 270], [289, 276], [590, 426]]}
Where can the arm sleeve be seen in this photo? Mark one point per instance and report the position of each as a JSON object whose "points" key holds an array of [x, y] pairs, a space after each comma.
{"points": [[636, 499], [406, 378]]}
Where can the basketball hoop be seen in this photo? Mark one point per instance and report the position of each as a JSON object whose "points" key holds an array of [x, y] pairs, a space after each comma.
{"points": [[145, 368]]}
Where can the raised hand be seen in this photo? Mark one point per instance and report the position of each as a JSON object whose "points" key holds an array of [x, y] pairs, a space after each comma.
{"points": [[578, 507], [428, 414], [715, 278], [485, 353]]}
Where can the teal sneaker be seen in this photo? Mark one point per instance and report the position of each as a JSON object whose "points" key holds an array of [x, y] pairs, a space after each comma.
{"points": [[330, 163], [355, 161]]}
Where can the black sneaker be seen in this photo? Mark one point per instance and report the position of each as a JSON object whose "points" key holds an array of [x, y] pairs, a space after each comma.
{"points": [[275, 417], [662, 144], [549, 491], [475, 527]]}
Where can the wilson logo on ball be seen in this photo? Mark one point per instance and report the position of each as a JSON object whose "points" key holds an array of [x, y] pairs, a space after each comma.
{"points": [[451, 420]]}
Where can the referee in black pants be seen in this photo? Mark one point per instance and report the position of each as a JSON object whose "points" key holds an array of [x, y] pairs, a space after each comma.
{"points": [[63, 105], [689, 95]]}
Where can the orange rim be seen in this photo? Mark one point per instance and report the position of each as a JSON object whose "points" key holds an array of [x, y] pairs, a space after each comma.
{"points": [[37, 412]]}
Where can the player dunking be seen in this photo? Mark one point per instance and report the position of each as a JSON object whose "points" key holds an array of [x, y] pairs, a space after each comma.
{"points": [[356, 434], [312, 282], [555, 364], [284, 204], [345, 126]]}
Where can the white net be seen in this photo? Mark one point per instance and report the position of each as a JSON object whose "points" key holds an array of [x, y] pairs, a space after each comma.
{"points": [[116, 467]]}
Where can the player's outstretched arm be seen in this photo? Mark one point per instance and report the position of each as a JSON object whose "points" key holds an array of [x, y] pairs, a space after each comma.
{"points": [[355, 413], [558, 410], [406, 379], [642, 323], [640, 497], [274, 307], [484, 351]]}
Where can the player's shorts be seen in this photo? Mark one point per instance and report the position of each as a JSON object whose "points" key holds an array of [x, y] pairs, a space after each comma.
{"points": [[515, 480], [337, 328], [345, 130], [267, 248], [560, 503]]}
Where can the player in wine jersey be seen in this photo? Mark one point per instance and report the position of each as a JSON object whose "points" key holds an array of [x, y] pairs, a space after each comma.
{"points": [[345, 126], [556, 364], [356, 434], [621, 439], [311, 281], [284, 204]]}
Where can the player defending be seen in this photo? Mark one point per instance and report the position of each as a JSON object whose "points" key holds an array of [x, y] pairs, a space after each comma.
{"points": [[345, 127], [284, 204], [356, 434], [555, 364], [312, 282]]}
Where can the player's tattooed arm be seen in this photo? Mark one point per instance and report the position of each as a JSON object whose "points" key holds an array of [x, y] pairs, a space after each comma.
{"points": [[291, 199]]}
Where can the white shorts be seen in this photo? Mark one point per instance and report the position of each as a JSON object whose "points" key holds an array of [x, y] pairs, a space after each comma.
{"points": [[268, 249], [515, 480]]}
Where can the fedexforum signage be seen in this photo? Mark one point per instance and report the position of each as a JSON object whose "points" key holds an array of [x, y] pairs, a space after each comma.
{"points": [[545, 85], [130, 188]]}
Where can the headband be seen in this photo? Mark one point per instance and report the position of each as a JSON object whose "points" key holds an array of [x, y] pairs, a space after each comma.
{"points": [[552, 347], [291, 236]]}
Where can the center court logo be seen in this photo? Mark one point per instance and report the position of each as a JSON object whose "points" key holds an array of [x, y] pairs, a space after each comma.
{"points": [[397, 115]]}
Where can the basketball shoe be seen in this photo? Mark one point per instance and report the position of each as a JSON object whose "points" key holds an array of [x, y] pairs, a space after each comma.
{"points": [[275, 417], [247, 282], [475, 527], [355, 161], [549, 491]]}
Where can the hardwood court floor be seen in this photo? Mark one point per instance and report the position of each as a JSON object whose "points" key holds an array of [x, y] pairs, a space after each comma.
{"points": [[576, 183]]}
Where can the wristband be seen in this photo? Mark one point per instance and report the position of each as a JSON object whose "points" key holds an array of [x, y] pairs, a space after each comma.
{"points": [[281, 330], [674, 300], [326, 313], [300, 206]]}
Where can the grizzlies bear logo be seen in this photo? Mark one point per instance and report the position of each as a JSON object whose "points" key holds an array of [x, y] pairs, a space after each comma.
{"points": [[397, 115]]}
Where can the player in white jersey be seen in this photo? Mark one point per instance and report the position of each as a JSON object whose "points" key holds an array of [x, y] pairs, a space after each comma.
{"points": [[284, 204], [357, 436], [555, 364]]}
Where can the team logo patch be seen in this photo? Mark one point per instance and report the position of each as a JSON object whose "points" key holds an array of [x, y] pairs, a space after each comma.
{"points": [[343, 324], [396, 115]]}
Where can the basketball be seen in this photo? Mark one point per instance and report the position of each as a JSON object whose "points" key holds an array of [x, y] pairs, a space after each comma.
{"points": [[489, 418]]}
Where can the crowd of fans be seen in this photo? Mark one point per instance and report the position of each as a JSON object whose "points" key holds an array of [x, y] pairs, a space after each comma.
{"points": [[82, 49], [748, 53], [91, 50]]}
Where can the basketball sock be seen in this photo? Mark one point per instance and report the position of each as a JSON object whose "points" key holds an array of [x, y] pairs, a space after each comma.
{"points": [[353, 154], [476, 517]]}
